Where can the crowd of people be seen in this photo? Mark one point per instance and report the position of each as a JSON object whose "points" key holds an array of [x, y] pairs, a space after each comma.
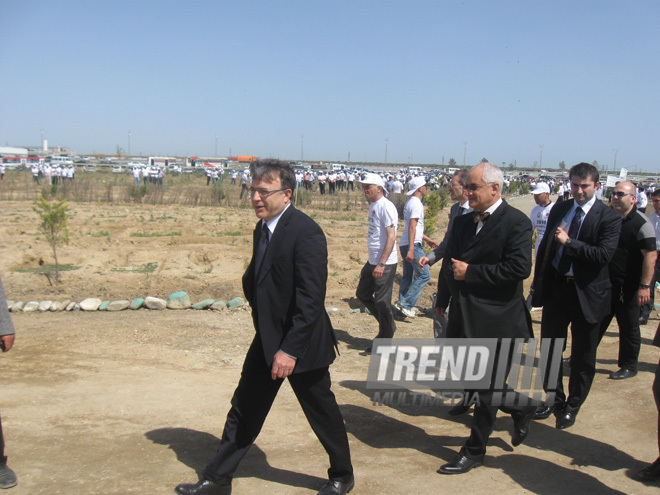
{"points": [[594, 262], [52, 173]]}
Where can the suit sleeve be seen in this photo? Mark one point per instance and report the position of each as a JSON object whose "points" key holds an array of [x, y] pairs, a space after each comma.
{"points": [[516, 263], [607, 238], [310, 279]]}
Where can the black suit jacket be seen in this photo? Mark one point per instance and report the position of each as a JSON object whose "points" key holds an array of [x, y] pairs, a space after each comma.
{"points": [[591, 253], [288, 294], [500, 257], [439, 252]]}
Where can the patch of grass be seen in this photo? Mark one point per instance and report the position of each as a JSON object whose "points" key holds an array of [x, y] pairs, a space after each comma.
{"points": [[48, 269], [190, 277], [164, 217], [233, 233], [155, 234], [146, 268], [209, 269], [100, 233]]}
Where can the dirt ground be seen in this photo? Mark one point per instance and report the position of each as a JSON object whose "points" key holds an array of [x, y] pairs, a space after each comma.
{"points": [[134, 402]]}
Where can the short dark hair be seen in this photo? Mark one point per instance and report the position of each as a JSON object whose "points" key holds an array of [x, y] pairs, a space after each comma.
{"points": [[656, 193], [584, 171], [461, 175], [272, 168]]}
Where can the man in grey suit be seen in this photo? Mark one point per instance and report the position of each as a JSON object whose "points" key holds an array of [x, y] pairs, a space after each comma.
{"points": [[458, 193], [7, 476], [572, 284]]}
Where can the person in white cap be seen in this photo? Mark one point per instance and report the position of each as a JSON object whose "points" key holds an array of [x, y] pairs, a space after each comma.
{"points": [[377, 277], [540, 213], [415, 277]]}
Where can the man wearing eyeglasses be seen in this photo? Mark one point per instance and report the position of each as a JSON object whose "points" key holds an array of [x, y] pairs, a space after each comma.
{"points": [[631, 272], [488, 257], [285, 284], [572, 284]]}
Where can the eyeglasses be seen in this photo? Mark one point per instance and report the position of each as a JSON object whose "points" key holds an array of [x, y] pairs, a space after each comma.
{"points": [[620, 194], [473, 187], [264, 193]]}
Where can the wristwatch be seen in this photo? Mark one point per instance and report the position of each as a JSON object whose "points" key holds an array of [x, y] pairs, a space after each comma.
{"points": [[381, 264], [644, 286], [568, 241]]}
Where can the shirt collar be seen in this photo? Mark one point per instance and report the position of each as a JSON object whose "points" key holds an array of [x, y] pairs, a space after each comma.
{"points": [[271, 224]]}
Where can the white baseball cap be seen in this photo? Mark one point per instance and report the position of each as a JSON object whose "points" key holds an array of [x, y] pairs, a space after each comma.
{"points": [[374, 179], [414, 184], [541, 187]]}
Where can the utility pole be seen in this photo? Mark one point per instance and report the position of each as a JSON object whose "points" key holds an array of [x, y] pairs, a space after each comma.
{"points": [[464, 152], [386, 141], [541, 156]]}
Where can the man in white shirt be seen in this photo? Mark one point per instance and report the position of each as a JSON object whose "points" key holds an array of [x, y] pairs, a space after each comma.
{"points": [[642, 199], [539, 214], [415, 276], [377, 277]]}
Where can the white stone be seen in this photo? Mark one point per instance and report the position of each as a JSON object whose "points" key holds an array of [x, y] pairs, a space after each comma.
{"points": [[17, 306], [70, 306], [154, 303], [90, 304], [45, 305], [120, 305], [31, 306]]}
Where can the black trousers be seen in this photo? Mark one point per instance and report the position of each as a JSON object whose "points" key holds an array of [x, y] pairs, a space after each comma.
{"points": [[562, 309], [251, 403], [626, 309], [648, 307], [3, 458], [656, 396]]}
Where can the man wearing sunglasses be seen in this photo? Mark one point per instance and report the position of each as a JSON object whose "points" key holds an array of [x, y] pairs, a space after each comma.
{"points": [[285, 284], [631, 272], [572, 284]]}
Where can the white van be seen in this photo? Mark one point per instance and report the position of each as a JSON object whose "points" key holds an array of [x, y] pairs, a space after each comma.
{"points": [[61, 160]]}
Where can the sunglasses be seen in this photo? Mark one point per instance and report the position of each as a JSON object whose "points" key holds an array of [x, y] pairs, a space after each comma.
{"points": [[620, 194]]}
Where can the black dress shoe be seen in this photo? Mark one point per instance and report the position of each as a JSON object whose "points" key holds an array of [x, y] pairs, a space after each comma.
{"points": [[544, 411], [459, 465], [622, 374], [521, 427], [652, 471], [643, 321], [565, 419], [336, 487], [203, 487], [7, 476], [459, 409]]}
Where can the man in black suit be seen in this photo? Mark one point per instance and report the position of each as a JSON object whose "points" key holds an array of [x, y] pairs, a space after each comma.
{"points": [[488, 257], [285, 284], [572, 283], [457, 193]]}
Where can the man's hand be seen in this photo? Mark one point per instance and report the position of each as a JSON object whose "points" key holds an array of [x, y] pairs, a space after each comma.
{"points": [[282, 365], [423, 261], [561, 236], [432, 244], [378, 271], [459, 268], [440, 312], [8, 341], [643, 296], [410, 255]]}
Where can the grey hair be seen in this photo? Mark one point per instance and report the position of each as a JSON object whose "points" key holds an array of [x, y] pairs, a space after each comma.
{"points": [[492, 175]]}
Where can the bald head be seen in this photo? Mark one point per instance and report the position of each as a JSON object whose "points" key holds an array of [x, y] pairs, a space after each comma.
{"points": [[624, 197]]}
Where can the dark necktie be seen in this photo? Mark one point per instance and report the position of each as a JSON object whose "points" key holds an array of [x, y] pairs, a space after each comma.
{"points": [[565, 261], [262, 244]]}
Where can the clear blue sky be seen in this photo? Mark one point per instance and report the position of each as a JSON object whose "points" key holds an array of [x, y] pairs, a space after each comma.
{"points": [[580, 78]]}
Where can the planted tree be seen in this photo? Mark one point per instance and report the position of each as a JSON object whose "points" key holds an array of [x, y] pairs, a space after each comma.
{"points": [[53, 225]]}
